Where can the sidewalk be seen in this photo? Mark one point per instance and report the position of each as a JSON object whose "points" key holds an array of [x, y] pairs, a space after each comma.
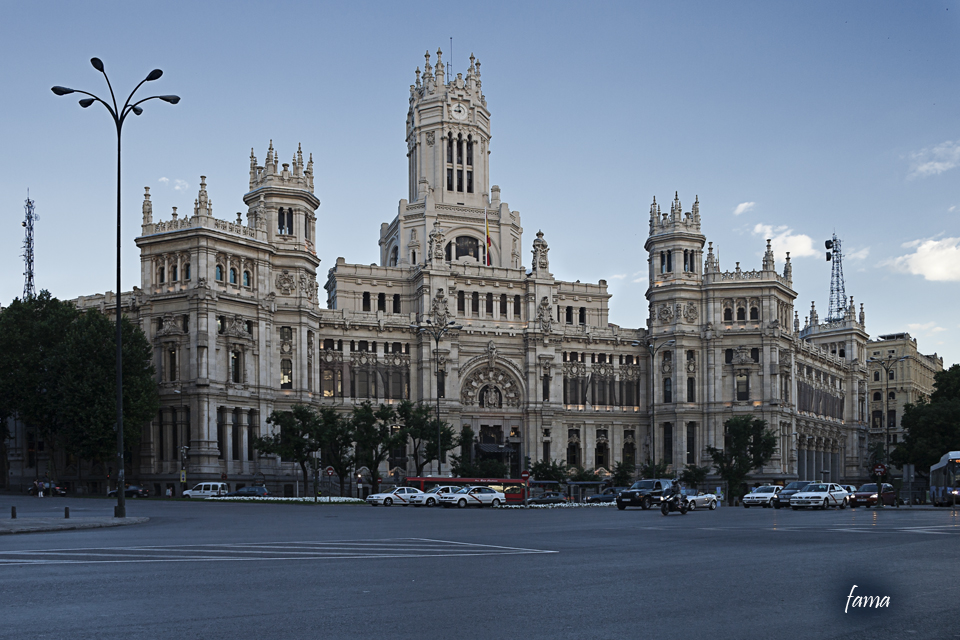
{"points": [[36, 525]]}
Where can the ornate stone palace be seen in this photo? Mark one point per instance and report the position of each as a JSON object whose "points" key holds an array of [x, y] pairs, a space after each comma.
{"points": [[535, 369]]}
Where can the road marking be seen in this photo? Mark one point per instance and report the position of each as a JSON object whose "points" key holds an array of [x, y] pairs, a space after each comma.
{"points": [[269, 551]]}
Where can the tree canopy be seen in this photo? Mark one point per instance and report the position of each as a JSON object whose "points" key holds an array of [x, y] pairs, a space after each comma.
{"points": [[931, 427], [748, 445], [297, 438]]}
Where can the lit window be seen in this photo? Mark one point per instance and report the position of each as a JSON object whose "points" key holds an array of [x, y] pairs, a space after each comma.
{"points": [[286, 374]]}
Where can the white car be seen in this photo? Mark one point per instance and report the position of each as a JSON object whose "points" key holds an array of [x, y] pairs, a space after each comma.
{"points": [[432, 497], [473, 497], [820, 494], [400, 495], [207, 490], [761, 496]]}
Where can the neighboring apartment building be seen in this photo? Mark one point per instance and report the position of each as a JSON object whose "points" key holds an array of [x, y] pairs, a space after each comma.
{"points": [[537, 370], [900, 375]]}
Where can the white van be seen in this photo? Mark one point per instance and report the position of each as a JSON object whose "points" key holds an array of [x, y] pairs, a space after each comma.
{"points": [[207, 490]]}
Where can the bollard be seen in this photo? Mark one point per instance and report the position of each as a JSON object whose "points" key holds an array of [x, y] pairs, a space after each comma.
{"points": [[66, 512], [13, 513]]}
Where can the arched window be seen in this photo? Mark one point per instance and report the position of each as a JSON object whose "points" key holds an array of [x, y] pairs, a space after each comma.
{"points": [[892, 396], [173, 273], [233, 276], [186, 271], [741, 313], [754, 313], [876, 376], [414, 257], [246, 278], [161, 275], [877, 396], [728, 315], [219, 273]]}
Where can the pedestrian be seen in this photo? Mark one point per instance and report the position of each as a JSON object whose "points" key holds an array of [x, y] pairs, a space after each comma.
{"points": [[39, 488]]}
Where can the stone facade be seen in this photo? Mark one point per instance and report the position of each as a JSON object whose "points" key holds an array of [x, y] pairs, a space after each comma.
{"points": [[535, 368]]}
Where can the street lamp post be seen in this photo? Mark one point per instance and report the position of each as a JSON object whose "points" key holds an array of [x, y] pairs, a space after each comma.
{"points": [[887, 365], [119, 116], [437, 331], [653, 349]]}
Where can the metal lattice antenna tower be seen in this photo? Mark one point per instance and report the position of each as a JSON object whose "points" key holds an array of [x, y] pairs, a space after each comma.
{"points": [[838, 294], [29, 219]]}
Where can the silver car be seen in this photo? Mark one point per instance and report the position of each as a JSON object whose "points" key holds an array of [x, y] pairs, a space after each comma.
{"points": [[699, 500]]}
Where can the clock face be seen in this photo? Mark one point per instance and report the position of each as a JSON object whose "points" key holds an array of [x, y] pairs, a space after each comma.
{"points": [[459, 112]]}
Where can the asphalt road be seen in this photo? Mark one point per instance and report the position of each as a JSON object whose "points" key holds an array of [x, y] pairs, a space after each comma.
{"points": [[240, 570]]}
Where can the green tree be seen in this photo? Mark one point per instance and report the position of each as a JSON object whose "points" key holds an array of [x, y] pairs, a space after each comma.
{"points": [[420, 429], [622, 474], [930, 430], [462, 465], [448, 441], [297, 437], [946, 385], [693, 476], [549, 470], [336, 443], [376, 432], [649, 470], [748, 445]]}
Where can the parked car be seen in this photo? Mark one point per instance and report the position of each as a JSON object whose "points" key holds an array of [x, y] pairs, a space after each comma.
{"points": [[761, 496], [400, 496], [255, 491], [699, 499], [50, 489], [132, 491], [866, 495], [431, 498], [784, 495], [473, 497], [551, 497], [820, 495], [643, 493], [207, 490], [849, 488], [607, 495]]}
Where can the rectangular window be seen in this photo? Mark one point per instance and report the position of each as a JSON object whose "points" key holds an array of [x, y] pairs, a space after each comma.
{"points": [[489, 309], [382, 302], [691, 389], [366, 301], [396, 303], [691, 443], [173, 364], [517, 308], [668, 390], [728, 356], [546, 452], [503, 305], [475, 303], [583, 315], [363, 384], [326, 383], [450, 150], [891, 419], [286, 334], [470, 152], [461, 303], [459, 151], [441, 384], [569, 315], [469, 181], [669, 261], [235, 367], [743, 387], [449, 179], [546, 388], [460, 180], [286, 374], [668, 443]]}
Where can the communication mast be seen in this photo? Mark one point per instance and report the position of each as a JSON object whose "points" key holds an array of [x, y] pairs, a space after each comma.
{"points": [[838, 294], [29, 219]]}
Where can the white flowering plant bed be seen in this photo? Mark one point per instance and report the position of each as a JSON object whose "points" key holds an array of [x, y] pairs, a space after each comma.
{"points": [[304, 500], [564, 505]]}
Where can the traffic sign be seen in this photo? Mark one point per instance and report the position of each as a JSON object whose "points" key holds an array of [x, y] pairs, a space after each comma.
{"points": [[330, 471], [223, 476], [879, 470], [183, 476], [524, 475]]}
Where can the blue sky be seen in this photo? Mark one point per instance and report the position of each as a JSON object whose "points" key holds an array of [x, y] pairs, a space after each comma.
{"points": [[790, 121]]}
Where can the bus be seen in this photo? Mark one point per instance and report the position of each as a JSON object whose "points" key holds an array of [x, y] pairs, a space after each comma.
{"points": [[512, 489], [945, 480]]}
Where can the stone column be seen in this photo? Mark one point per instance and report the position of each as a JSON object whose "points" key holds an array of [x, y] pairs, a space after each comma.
{"points": [[801, 460]]}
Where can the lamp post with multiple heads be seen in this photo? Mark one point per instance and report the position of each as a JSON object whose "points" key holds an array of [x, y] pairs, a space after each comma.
{"points": [[119, 115], [437, 331], [887, 364], [653, 348]]}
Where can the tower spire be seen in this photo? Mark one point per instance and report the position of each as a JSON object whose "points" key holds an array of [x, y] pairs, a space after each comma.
{"points": [[838, 295], [28, 220]]}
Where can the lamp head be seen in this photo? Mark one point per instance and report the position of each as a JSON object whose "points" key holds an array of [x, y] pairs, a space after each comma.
{"points": [[61, 91], [137, 110], [170, 99], [154, 75], [97, 64], [86, 102]]}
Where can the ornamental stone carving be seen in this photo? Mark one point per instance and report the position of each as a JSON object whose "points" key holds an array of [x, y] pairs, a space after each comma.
{"points": [[439, 310], [436, 242], [665, 312], [431, 138], [540, 249], [490, 384], [690, 313], [286, 283], [545, 315]]}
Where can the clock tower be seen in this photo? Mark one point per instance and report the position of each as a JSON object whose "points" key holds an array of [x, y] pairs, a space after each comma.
{"points": [[448, 141]]}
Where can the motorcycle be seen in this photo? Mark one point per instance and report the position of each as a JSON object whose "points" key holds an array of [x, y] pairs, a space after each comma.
{"points": [[675, 502]]}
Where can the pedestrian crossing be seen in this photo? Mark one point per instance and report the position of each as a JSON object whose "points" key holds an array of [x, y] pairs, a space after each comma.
{"points": [[264, 551]]}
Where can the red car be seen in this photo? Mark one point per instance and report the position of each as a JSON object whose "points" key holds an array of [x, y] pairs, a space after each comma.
{"points": [[866, 496]]}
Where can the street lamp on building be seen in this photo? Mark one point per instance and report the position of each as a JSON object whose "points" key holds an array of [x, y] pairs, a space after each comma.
{"points": [[436, 331], [119, 115], [887, 364], [653, 348]]}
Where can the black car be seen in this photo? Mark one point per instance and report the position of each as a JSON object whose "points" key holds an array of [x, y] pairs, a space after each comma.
{"points": [[783, 498], [607, 495], [250, 492], [643, 493], [50, 489], [132, 491], [551, 497]]}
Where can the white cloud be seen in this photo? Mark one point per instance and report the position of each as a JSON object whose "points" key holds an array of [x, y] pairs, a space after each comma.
{"points": [[639, 276], [860, 254], [929, 327], [950, 210], [936, 260], [743, 207], [619, 276], [783, 239], [180, 185], [164, 180], [933, 161]]}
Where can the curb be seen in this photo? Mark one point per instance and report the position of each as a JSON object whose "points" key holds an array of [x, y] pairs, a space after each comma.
{"points": [[40, 525]]}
